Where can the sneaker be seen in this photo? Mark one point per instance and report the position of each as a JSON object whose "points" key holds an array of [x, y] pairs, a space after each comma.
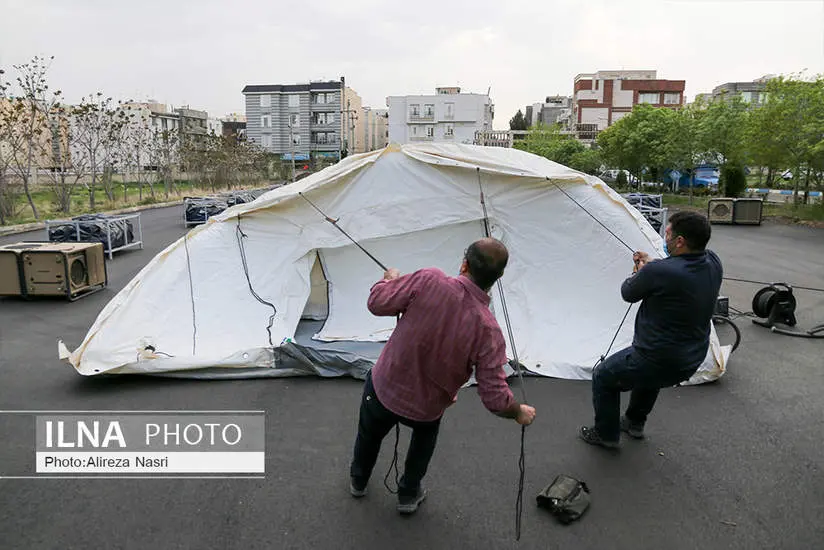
{"points": [[357, 490], [634, 430], [591, 436], [409, 505]]}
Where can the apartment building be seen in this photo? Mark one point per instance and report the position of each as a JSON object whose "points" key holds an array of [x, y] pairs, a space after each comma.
{"points": [[602, 98], [354, 123], [754, 93], [155, 117], [447, 116], [214, 127], [376, 128], [50, 137], [557, 109], [306, 121]]}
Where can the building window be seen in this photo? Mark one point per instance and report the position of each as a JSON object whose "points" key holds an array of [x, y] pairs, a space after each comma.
{"points": [[429, 110], [430, 131], [450, 130], [323, 118], [294, 120], [414, 130], [325, 138], [266, 121], [294, 100], [266, 141], [415, 110], [672, 98], [450, 110], [321, 99], [296, 139], [649, 97], [265, 100]]}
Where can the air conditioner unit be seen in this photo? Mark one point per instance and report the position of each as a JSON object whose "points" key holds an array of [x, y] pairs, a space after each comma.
{"points": [[747, 211], [11, 270], [720, 210], [63, 269]]}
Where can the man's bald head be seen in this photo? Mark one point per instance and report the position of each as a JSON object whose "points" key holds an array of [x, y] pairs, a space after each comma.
{"points": [[485, 261]]}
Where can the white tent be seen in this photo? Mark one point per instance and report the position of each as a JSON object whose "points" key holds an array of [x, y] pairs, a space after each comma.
{"points": [[230, 298]]}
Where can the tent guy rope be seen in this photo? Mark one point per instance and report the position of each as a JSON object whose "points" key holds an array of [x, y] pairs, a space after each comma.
{"points": [[240, 236], [335, 223], [394, 463], [519, 503], [582, 207]]}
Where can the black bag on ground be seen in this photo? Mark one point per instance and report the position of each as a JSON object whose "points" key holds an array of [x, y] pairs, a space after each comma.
{"points": [[566, 498]]}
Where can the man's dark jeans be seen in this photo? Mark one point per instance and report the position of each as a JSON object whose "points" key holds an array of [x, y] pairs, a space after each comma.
{"points": [[622, 371], [375, 422]]}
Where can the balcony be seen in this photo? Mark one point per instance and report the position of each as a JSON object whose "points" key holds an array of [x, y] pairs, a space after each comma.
{"points": [[421, 138], [324, 141], [448, 136], [448, 116], [421, 117]]}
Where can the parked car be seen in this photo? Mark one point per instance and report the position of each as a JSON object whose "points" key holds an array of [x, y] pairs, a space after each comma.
{"points": [[705, 176], [611, 176]]}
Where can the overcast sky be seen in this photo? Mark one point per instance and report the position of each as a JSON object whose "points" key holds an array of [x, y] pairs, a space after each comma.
{"points": [[203, 52]]}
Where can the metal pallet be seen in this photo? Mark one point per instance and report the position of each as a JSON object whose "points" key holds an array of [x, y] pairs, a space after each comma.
{"points": [[121, 221]]}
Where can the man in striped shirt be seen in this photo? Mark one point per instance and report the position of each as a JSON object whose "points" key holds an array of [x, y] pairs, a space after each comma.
{"points": [[446, 328]]}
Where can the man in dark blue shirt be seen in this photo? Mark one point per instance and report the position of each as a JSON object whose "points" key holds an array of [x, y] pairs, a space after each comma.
{"points": [[672, 330]]}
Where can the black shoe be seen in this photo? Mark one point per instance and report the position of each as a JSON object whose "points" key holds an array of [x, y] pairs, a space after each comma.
{"points": [[356, 488], [634, 430], [409, 504], [591, 436]]}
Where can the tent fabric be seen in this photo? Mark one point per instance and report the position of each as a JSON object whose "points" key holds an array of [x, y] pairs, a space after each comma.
{"points": [[230, 295]]}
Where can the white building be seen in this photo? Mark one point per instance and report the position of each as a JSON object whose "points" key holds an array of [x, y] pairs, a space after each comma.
{"points": [[447, 116], [214, 126]]}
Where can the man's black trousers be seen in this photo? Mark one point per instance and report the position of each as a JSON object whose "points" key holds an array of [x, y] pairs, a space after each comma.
{"points": [[375, 422]]}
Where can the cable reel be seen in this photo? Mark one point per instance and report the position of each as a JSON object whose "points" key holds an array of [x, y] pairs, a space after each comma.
{"points": [[776, 303]]}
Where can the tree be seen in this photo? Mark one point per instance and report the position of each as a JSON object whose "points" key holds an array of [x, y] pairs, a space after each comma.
{"points": [[588, 160], [97, 126], [165, 153], [8, 192], [788, 131], [734, 179], [685, 150], [721, 134], [24, 127], [549, 142], [67, 169], [634, 142], [765, 151], [518, 122]]}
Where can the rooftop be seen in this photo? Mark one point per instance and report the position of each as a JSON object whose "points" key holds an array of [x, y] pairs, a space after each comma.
{"points": [[286, 88]]}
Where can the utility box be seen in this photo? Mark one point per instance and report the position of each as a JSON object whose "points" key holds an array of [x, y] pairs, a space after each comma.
{"points": [[52, 269], [11, 273], [721, 210], [747, 211]]}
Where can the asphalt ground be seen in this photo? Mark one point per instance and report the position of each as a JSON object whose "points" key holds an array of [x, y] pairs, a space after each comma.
{"points": [[733, 464]]}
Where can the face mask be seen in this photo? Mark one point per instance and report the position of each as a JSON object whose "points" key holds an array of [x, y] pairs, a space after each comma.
{"points": [[666, 250]]}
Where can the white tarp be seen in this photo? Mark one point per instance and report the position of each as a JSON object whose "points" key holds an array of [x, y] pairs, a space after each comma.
{"points": [[411, 206]]}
